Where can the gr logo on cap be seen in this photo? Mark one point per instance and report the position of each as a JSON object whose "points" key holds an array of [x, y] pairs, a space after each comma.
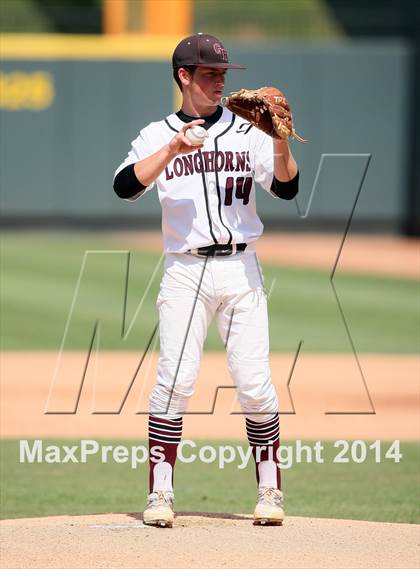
{"points": [[202, 50]]}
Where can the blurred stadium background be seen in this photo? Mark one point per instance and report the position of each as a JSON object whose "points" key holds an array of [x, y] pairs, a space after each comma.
{"points": [[79, 78]]}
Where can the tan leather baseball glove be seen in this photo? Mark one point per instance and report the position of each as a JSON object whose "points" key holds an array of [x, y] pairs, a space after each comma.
{"points": [[266, 108]]}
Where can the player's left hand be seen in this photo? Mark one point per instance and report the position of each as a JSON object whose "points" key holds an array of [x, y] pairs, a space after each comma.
{"points": [[266, 108]]}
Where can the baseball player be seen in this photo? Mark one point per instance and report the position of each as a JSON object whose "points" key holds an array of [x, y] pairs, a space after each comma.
{"points": [[206, 188]]}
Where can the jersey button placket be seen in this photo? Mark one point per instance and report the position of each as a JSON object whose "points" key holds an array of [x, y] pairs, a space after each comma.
{"points": [[214, 205]]}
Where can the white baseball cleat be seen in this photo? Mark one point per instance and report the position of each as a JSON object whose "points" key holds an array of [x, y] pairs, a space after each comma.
{"points": [[269, 509], [159, 510]]}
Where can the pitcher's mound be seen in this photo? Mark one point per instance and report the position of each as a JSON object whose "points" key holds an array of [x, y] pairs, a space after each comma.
{"points": [[200, 540]]}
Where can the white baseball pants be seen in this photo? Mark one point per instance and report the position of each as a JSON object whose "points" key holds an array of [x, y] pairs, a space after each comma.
{"points": [[193, 291]]}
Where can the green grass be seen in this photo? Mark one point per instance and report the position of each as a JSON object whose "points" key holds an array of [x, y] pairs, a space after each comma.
{"points": [[266, 18], [385, 491], [40, 273]]}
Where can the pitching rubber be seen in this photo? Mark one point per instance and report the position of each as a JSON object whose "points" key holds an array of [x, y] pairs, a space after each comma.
{"points": [[267, 522], [159, 523]]}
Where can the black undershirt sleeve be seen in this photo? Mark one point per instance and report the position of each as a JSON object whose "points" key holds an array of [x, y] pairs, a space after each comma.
{"points": [[126, 184], [285, 190]]}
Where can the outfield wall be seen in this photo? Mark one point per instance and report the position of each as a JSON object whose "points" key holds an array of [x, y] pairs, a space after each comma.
{"points": [[67, 121]]}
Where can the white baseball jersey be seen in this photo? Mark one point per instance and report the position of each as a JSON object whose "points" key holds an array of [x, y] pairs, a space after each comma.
{"points": [[208, 196]]}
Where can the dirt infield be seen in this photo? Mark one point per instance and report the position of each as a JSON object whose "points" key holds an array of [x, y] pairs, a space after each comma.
{"points": [[325, 398], [204, 541]]}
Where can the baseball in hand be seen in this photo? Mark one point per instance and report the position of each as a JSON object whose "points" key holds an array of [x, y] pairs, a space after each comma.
{"points": [[196, 135]]}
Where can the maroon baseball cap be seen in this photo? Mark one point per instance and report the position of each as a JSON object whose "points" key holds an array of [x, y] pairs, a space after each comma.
{"points": [[204, 51]]}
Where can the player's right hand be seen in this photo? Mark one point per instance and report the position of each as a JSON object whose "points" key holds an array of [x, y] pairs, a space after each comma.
{"points": [[180, 144]]}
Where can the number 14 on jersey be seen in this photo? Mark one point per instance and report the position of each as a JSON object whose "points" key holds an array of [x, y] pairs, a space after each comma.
{"points": [[242, 189]]}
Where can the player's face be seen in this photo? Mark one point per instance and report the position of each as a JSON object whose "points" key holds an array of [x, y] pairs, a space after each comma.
{"points": [[207, 85]]}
